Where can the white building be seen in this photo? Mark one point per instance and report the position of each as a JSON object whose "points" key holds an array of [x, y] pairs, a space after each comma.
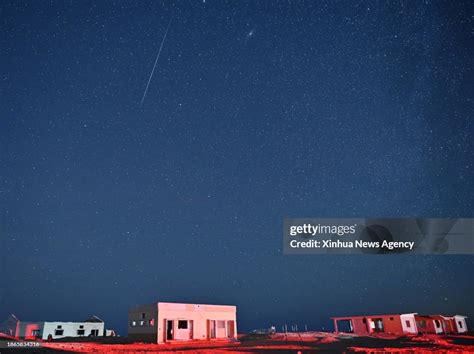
{"points": [[92, 327], [167, 322]]}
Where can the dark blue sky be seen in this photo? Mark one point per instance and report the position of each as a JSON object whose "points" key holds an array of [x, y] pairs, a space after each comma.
{"points": [[256, 111]]}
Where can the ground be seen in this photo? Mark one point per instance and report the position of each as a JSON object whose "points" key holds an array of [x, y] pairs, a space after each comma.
{"points": [[306, 342]]}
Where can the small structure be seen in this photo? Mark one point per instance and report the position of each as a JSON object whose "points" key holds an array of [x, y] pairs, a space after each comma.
{"points": [[366, 325], [430, 324], [11, 326], [408, 323], [167, 322], [92, 327], [439, 324]]}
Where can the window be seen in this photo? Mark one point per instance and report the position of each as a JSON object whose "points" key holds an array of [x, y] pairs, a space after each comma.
{"points": [[408, 323], [59, 326], [437, 324], [94, 332], [36, 333], [81, 326], [220, 324], [391, 318], [143, 315], [142, 323], [81, 332], [133, 323], [182, 324], [151, 322], [364, 320], [58, 332], [460, 324]]}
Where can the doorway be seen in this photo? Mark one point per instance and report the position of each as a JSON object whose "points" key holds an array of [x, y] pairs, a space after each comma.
{"points": [[377, 325], [212, 329], [169, 329], [345, 326], [230, 329]]}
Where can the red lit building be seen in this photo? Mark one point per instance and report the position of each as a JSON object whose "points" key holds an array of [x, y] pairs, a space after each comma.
{"points": [[439, 324], [429, 324], [401, 324], [366, 325]]}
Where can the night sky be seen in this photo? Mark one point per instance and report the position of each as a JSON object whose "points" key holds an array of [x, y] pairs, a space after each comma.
{"points": [[256, 111]]}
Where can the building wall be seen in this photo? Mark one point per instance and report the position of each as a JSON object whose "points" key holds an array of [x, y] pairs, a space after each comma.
{"points": [[461, 324], [11, 326], [110, 333], [409, 323], [426, 325], [438, 326], [431, 324], [27, 330], [70, 329], [449, 326], [392, 324], [142, 323], [406, 324], [395, 324], [30, 330], [200, 315], [359, 327], [33, 330]]}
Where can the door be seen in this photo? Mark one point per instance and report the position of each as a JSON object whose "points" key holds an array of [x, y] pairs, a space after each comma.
{"points": [[191, 329], [230, 329], [437, 325], [169, 330], [220, 329], [212, 329]]}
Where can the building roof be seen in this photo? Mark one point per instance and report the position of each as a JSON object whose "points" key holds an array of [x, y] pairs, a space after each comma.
{"points": [[10, 318], [94, 319], [195, 307], [372, 316], [194, 304], [445, 317], [161, 305]]}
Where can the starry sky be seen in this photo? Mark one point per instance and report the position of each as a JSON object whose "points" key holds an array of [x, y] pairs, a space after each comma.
{"points": [[256, 111]]}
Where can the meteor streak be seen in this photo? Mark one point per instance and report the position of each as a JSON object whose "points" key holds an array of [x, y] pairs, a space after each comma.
{"points": [[156, 61]]}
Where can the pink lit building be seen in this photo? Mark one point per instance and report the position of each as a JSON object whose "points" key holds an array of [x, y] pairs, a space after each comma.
{"points": [[167, 322]]}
